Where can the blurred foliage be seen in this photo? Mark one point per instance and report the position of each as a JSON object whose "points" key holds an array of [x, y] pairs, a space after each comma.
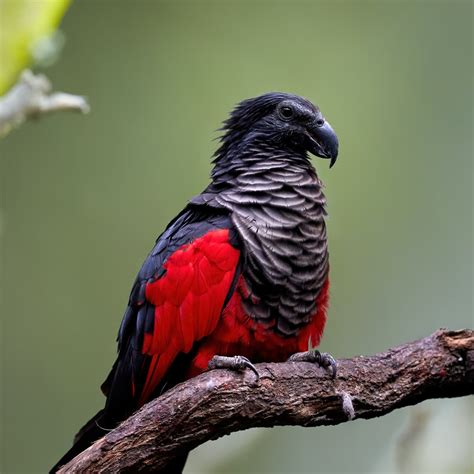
{"points": [[420, 445], [26, 31]]}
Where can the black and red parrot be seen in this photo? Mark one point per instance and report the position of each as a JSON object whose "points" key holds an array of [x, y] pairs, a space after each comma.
{"points": [[241, 274]]}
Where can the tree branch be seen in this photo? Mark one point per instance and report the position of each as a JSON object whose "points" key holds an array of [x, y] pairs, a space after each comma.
{"points": [[221, 402], [32, 97]]}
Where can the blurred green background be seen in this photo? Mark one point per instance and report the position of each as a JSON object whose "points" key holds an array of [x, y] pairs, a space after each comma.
{"points": [[83, 199]]}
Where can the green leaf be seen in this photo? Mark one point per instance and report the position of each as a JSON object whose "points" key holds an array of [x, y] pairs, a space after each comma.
{"points": [[24, 23]]}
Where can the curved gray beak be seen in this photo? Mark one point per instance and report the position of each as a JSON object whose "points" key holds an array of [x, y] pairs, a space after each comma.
{"points": [[323, 142]]}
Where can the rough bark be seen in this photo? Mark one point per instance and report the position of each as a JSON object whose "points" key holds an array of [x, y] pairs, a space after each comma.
{"points": [[220, 402]]}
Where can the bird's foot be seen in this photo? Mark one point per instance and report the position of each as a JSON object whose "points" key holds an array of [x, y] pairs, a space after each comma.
{"points": [[237, 363], [323, 359]]}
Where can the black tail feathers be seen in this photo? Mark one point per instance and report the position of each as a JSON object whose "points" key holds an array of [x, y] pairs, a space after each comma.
{"points": [[177, 466], [94, 429]]}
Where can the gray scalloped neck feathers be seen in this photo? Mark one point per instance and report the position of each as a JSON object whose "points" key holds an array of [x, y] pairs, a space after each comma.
{"points": [[277, 206]]}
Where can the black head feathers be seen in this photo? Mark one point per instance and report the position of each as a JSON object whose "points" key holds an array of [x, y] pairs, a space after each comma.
{"points": [[250, 111], [280, 121]]}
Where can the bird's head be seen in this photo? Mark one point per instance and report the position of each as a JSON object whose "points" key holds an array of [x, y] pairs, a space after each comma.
{"points": [[284, 120]]}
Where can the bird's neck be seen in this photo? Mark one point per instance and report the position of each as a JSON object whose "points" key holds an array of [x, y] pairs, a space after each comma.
{"points": [[257, 173], [255, 154], [263, 170]]}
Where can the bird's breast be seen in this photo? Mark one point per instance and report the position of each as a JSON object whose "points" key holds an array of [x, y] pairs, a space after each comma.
{"points": [[283, 234], [238, 333]]}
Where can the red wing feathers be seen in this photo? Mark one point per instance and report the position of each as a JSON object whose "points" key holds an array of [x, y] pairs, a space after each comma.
{"points": [[188, 300]]}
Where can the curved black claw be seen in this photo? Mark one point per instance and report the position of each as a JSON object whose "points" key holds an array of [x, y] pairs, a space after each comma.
{"points": [[237, 363], [327, 361], [323, 359]]}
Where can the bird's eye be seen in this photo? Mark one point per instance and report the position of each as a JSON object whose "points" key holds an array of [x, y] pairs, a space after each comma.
{"points": [[286, 112], [320, 122]]}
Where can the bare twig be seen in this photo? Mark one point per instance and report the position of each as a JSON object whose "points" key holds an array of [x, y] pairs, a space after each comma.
{"points": [[220, 402], [32, 97]]}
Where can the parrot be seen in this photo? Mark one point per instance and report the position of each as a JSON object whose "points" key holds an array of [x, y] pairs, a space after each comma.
{"points": [[240, 275]]}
